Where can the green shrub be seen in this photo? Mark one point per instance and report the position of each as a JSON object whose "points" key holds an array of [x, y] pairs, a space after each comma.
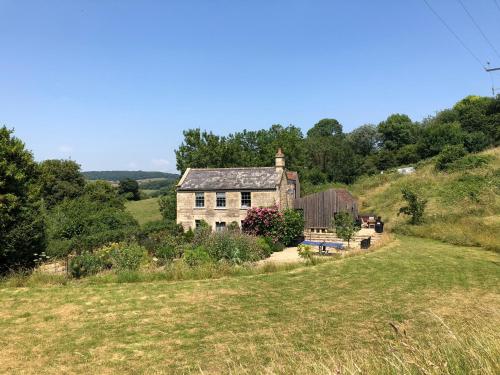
{"points": [[235, 247], [293, 227], [275, 246], [306, 252], [415, 208], [85, 264], [83, 225], [160, 226], [189, 235], [345, 227], [233, 226], [449, 154], [128, 257], [264, 244], [469, 162], [201, 233], [282, 226], [197, 256], [166, 253]]}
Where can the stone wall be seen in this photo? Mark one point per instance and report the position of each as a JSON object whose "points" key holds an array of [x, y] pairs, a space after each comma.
{"points": [[187, 213]]}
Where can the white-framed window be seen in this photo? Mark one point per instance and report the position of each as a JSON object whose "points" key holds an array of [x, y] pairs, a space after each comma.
{"points": [[199, 200], [246, 199], [220, 199], [220, 226]]}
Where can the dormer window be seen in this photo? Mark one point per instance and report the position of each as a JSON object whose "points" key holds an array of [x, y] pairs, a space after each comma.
{"points": [[220, 199], [246, 199], [199, 200]]}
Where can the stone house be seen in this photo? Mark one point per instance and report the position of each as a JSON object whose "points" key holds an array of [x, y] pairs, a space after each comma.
{"points": [[221, 196]]}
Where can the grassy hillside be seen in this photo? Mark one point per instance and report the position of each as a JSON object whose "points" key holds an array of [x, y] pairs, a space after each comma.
{"points": [[463, 205], [144, 210], [415, 306]]}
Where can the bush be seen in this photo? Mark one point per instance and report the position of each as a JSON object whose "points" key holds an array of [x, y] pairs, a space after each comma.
{"points": [[155, 233], [128, 257], [282, 226], [469, 162], [197, 256], [476, 141], [265, 246], [85, 264], [233, 226], [83, 225], [449, 154], [345, 227], [161, 226], [166, 253], [22, 222], [236, 247], [415, 208], [292, 227], [306, 252], [266, 222], [275, 246], [106, 254], [201, 233]]}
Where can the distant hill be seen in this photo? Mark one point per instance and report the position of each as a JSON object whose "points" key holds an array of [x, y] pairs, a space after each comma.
{"points": [[134, 175]]}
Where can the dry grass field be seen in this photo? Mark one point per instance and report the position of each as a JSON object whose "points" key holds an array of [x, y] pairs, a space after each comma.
{"points": [[412, 306], [144, 210]]}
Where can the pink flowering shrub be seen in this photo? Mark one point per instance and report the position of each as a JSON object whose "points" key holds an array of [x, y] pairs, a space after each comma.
{"points": [[284, 227], [264, 221]]}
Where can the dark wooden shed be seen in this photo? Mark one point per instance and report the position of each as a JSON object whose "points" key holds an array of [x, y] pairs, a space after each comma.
{"points": [[320, 208]]}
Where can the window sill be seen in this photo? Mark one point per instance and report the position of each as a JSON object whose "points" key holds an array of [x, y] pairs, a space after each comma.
{"points": [[199, 208], [221, 208]]}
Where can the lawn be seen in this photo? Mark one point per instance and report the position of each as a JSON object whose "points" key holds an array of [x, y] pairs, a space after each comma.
{"points": [[413, 306], [144, 210]]}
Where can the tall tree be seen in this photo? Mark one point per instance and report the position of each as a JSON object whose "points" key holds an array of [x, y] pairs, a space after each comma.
{"points": [[59, 180], [397, 131], [322, 139], [129, 189], [364, 140], [22, 223]]}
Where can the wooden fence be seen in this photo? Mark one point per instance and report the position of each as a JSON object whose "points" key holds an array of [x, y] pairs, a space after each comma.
{"points": [[320, 208]]}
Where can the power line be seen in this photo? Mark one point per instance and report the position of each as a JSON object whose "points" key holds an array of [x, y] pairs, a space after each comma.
{"points": [[479, 28], [454, 33]]}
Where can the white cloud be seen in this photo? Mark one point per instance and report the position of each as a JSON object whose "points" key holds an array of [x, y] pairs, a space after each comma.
{"points": [[132, 165], [160, 163], [65, 149]]}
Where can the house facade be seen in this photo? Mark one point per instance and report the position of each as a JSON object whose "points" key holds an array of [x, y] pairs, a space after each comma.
{"points": [[221, 196]]}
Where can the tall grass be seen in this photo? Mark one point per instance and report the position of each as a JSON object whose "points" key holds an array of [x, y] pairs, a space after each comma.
{"points": [[174, 271], [472, 349]]}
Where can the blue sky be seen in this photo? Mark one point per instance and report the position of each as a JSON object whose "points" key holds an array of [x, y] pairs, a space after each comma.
{"points": [[112, 84]]}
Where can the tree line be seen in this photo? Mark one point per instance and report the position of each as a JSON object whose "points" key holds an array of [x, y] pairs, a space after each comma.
{"points": [[50, 207], [133, 175], [327, 154]]}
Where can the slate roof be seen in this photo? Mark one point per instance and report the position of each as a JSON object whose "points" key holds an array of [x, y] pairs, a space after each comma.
{"points": [[262, 178]]}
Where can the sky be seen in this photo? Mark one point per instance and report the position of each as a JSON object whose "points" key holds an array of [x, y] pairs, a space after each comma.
{"points": [[112, 84]]}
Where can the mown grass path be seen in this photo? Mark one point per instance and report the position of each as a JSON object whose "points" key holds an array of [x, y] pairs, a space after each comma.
{"points": [[364, 311]]}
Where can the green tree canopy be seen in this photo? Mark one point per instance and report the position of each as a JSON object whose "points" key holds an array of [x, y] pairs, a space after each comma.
{"points": [[129, 189], [59, 180], [22, 223], [397, 131]]}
